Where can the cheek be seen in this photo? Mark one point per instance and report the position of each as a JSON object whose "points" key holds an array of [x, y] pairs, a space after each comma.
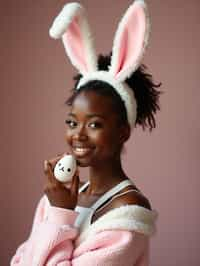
{"points": [[68, 137], [105, 141]]}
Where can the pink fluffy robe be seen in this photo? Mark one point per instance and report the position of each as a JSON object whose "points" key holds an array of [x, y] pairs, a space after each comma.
{"points": [[119, 237]]}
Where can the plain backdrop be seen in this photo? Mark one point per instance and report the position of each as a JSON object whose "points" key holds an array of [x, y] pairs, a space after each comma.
{"points": [[36, 77]]}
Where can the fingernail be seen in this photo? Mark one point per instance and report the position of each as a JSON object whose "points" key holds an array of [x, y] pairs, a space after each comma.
{"points": [[47, 163]]}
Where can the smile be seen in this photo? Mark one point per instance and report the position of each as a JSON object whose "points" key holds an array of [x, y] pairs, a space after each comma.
{"points": [[81, 151]]}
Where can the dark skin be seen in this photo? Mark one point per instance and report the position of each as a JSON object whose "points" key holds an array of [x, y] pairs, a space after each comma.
{"points": [[92, 124]]}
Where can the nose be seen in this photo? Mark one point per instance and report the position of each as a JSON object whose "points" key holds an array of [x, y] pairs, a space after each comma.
{"points": [[80, 134]]}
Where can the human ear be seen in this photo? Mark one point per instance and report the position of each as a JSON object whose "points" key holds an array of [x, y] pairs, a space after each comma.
{"points": [[124, 133]]}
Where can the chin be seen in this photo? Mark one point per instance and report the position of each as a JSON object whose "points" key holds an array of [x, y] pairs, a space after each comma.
{"points": [[83, 162]]}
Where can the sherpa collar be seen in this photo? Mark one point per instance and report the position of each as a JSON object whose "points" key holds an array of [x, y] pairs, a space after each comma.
{"points": [[128, 217]]}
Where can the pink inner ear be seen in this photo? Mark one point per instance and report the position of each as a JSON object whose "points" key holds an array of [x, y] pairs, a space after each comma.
{"points": [[73, 41], [131, 41]]}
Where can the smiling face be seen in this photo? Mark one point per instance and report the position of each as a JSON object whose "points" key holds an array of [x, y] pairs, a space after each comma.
{"points": [[93, 131]]}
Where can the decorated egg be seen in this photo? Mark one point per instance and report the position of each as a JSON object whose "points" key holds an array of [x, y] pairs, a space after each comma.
{"points": [[65, 168]]}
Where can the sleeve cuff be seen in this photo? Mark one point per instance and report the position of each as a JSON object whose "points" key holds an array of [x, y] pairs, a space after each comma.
{"points": [[61, 216]]}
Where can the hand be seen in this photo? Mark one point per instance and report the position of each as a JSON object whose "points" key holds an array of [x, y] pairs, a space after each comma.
{"points": [[57, 193]]}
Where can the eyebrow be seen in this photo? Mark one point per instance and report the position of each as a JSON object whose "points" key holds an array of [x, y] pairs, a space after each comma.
{"points": [[89, 115]]}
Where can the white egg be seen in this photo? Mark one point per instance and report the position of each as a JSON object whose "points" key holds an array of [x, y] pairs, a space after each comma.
{"points": [[65, 168]]}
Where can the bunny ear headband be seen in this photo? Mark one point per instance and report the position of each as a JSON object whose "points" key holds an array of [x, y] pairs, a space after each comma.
{"points": [[129, 44]]}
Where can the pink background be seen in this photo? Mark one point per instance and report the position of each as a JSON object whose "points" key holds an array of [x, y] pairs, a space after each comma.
{"points": [[35, 80]]}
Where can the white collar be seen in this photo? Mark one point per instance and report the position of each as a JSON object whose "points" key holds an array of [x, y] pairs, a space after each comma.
{"points": [[128, 217]]}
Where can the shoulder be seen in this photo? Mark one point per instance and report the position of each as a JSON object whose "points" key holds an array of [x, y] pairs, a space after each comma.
{"points": [[125, 197], [131, 198]]}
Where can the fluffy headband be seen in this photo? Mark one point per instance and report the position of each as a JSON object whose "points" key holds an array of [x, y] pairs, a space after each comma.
{"points": [[129, 44]]}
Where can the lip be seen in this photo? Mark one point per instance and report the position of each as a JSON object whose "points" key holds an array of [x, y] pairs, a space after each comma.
{"points": [[81, 145], [81, 151]]}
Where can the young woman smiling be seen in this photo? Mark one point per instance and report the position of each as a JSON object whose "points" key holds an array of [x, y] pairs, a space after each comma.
{"points": [[108, 220]]}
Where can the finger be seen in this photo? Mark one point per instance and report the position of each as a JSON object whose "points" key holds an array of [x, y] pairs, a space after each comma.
{"points": [[57, 158], [47, 168], [54, 161], [49, 172], [59, 154], [62, 154], [75, 183]]}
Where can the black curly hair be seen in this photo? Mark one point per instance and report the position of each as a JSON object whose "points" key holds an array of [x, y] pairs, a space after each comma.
{"points": [[147, 97]]}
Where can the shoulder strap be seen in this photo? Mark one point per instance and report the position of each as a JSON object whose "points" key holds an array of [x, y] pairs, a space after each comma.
{"points": [[111, 192], [83, 186], [117, 196]]}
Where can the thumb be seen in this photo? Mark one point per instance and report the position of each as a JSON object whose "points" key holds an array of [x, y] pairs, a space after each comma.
{"points": [[49, 173]]}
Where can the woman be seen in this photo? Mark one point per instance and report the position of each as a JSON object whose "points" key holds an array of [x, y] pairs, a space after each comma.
{"points": [[108, 220]]}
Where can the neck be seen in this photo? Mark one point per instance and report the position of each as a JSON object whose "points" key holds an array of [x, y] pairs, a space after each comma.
{"points": [[105, 175]]}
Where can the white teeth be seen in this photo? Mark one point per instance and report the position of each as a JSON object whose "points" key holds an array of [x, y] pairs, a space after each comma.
{"points": [[82, 151]]}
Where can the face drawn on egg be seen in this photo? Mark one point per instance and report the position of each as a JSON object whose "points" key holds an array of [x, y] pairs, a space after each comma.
{"points": [[65, 168]]}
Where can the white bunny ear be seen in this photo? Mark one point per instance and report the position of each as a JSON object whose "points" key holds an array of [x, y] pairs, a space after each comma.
{"points": [[130, 41], [71, 24]]}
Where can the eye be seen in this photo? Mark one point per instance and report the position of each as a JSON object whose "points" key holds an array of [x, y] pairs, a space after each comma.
{"points": [[71, 123], [95, 125]]}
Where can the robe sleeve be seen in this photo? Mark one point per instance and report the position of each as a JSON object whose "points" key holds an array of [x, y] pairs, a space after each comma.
{"points": [[52, 232], [52, 243]]}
